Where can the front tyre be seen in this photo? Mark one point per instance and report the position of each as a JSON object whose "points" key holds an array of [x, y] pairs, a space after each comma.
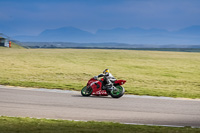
{"points": [[86, 91], [118, 92]]}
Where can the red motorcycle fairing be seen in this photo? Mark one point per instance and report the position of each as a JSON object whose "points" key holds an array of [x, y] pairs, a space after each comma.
{"points": [[96, 86], [120, 82]]}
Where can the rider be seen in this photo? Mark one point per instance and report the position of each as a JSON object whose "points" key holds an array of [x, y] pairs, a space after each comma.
{"points": [[108, 78]]}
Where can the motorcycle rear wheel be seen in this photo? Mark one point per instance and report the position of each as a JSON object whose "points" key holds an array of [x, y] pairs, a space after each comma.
{"points": [[86, 91], [117, 93]]}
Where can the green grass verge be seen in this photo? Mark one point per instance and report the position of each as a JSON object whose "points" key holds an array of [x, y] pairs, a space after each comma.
{"points": [[155, 73], [14, 45], [32, 125]]}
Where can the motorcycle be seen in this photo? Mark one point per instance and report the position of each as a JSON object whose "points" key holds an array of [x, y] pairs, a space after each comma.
{"points": [[97, 88]]}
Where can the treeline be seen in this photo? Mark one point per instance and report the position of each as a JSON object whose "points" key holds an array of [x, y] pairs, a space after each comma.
{"points": [[62, 45]]}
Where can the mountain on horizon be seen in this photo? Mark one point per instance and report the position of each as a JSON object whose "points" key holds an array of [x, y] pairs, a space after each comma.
{"points": [[65, 33], [187, 36]]}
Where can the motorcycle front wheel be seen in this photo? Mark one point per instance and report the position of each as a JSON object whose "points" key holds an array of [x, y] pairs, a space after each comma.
{"points": [[86, 91], [118, 92]]}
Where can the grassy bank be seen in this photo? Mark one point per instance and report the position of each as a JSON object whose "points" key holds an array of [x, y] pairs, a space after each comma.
{"points": [[172, 74], [32, 125]]}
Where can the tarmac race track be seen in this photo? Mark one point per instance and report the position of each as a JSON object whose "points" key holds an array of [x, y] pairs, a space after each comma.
{"points": [[70, 105]]}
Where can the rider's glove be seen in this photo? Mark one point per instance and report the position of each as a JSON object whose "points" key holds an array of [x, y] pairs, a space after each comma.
{"points": [[96, 77]]}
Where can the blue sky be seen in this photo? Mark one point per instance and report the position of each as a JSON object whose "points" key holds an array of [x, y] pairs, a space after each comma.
{"points": [[30, 17]]}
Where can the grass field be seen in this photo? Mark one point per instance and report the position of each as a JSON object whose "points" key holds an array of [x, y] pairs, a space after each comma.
{"points": [[155, 73], [32, 125]]}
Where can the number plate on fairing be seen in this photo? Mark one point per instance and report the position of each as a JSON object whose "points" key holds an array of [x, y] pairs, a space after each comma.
{"points": [[100, 93]]}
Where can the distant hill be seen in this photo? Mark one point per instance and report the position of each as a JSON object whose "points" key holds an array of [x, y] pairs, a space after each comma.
{"points": [[193, 30], [64, 34], [186, 36]]}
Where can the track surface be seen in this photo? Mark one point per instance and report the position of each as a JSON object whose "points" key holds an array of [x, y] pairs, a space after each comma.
{"points": [[70, 105]]}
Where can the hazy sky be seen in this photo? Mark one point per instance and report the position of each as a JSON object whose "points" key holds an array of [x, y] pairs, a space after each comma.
{"points": [[30, 17]]}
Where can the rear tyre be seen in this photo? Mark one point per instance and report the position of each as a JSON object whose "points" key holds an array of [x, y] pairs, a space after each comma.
{"points": [[86, 91], [118, 92]]}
